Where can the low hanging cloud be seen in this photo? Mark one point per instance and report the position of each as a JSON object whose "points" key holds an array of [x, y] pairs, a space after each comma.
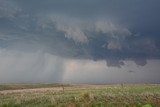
{"points": [[71, 28], [114, 45], [115, 63], [112, 30], [66, 30], [141, 62], [79, 41], [80, 29], [116, 39]]}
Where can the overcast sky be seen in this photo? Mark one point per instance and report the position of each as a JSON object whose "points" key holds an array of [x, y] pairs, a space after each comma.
{"points": [[80, 41]]}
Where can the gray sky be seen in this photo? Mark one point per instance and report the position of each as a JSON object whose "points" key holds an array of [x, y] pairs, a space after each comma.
{"points": [[80, 41]]}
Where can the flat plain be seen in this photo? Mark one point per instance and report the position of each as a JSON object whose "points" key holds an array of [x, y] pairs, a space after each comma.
{"points": [[79, 95]]}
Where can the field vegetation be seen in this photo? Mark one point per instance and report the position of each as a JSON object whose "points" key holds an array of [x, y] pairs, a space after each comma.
{"points": [[64, 95]]}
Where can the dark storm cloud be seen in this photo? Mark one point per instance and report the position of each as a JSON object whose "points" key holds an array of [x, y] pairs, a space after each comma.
{"points": [[83, 29]]}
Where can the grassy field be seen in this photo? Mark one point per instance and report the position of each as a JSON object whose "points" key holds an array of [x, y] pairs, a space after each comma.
{"points": [[60, 95]]}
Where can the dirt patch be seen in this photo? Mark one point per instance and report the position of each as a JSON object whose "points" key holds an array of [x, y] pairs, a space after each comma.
{"points": [[31, 90]]}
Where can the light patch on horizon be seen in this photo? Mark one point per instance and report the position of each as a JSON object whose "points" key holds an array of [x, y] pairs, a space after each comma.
{"points": [[17, 66], [96, 72]]}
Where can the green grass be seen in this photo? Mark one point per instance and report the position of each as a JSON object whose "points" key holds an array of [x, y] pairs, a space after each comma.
{"points": [[136, 95]]}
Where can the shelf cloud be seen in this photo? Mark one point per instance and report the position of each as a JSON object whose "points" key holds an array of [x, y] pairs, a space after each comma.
{"points": [[112, 31]]}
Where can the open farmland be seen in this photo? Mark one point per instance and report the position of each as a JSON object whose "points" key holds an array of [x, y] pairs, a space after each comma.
{"points": [[60, 95]]}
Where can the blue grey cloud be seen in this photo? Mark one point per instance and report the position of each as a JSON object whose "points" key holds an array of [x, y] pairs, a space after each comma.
{"points": [[114, 31]]}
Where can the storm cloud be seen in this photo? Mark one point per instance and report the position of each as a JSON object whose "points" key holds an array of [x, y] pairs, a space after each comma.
{"points": [[43, 35]]}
